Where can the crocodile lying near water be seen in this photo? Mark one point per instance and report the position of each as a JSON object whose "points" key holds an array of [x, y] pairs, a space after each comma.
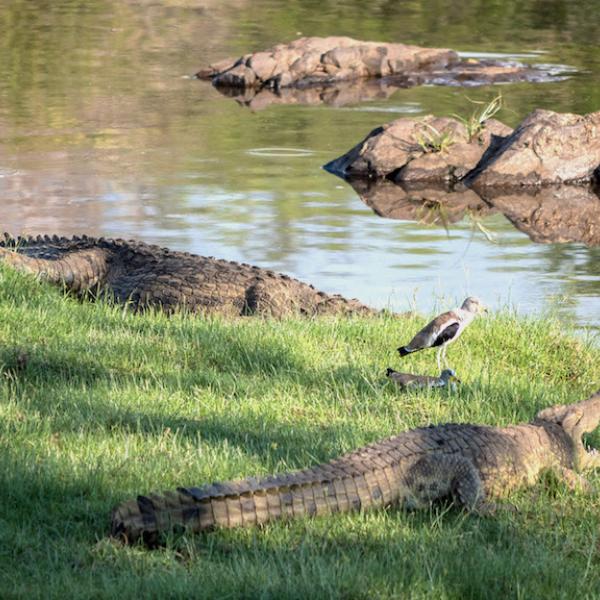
{"points": [[147, 275], [471, 463]]}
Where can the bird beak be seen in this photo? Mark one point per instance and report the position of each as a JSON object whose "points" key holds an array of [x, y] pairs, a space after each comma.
{"points": [[455, 379]]}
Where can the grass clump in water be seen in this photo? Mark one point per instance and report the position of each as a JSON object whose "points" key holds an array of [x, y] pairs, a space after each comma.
{"points": [[98, 405]]}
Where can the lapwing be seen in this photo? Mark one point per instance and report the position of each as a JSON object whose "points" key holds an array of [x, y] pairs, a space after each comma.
{"points": [[444, 329]]}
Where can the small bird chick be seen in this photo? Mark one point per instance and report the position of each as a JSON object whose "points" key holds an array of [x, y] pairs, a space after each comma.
{"points": [[447, 378]]}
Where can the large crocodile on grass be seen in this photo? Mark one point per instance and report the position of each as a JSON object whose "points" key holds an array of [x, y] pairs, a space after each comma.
{"points": [[470, 463], [146, 275]]}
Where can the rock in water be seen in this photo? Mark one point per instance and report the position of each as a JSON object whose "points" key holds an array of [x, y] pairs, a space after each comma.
{"points": [[546, 148], [319, 62], [429, 149]]}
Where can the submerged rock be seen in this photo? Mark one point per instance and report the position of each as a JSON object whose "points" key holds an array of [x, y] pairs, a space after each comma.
{"points": [[428, 149], [315, 61]]}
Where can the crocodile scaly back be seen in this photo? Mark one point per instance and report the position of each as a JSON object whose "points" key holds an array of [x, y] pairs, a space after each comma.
{"points": [[414, 468], [149, 276]]}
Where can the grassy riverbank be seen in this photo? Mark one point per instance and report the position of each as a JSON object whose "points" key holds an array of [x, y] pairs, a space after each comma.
{"points": [[98, 405]]}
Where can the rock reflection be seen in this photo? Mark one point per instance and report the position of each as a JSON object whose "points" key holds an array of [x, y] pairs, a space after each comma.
{"points": [[554, 214], [429, 205], [466, 73], [548, 215], [341, 94]]}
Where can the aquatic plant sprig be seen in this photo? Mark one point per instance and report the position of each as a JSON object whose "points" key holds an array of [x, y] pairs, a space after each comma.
{"points": [[430, 139], [475, 124]]}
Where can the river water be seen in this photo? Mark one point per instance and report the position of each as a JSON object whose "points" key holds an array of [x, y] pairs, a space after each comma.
{"points": [[102, 131]]}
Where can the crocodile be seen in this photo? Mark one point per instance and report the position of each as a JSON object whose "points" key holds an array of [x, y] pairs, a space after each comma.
{"points": [[471, 464], [145, 275]]}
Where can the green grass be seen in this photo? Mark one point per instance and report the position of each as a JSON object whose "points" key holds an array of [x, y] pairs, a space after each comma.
{"points": [[98, 405]]}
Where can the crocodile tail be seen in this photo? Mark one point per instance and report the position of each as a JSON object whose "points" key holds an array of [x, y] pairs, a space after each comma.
{"points": [[314, 492], [80, 269], [29, 264]]}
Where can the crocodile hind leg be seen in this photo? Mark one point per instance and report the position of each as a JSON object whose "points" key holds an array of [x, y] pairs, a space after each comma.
{"points": [[267, 299], [438, 476]]}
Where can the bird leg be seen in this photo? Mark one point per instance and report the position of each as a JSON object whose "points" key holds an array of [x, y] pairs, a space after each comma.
{"points": [[439, 354], [445, 348]]}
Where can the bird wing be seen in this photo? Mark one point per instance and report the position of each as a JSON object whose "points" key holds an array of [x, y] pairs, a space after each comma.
{"points": [[448, 333], [443, 326]]}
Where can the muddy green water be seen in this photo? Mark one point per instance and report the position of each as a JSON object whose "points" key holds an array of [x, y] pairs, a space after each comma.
{"points": [[102, 133]]}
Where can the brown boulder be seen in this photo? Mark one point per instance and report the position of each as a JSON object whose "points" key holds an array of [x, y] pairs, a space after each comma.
{"points": [[429, 149], [546, 148]]}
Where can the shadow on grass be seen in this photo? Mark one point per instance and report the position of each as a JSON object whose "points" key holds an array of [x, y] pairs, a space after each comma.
{"points": [[407, 555], [52, 515], [34, 367]]}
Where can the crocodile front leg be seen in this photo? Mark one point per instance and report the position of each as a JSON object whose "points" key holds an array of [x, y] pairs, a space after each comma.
{"points": [[574, 480], [437, 476]]}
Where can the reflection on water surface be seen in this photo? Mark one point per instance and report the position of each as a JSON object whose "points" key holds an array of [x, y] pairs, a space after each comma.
{"points": [[101, 132]]}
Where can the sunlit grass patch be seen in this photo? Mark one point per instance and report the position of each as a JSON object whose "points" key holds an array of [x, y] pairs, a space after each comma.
{"points": [[98, 404]]}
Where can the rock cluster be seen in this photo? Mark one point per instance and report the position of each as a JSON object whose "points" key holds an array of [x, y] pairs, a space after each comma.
{"points": [[546, 148], [429, 149]]}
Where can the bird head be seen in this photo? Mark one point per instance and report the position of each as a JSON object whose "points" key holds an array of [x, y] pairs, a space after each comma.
{"points": [[449, 376], [473, 305]]}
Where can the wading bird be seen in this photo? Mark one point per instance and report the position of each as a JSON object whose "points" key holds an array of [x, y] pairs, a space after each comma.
{"points": [[444, 329]]}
